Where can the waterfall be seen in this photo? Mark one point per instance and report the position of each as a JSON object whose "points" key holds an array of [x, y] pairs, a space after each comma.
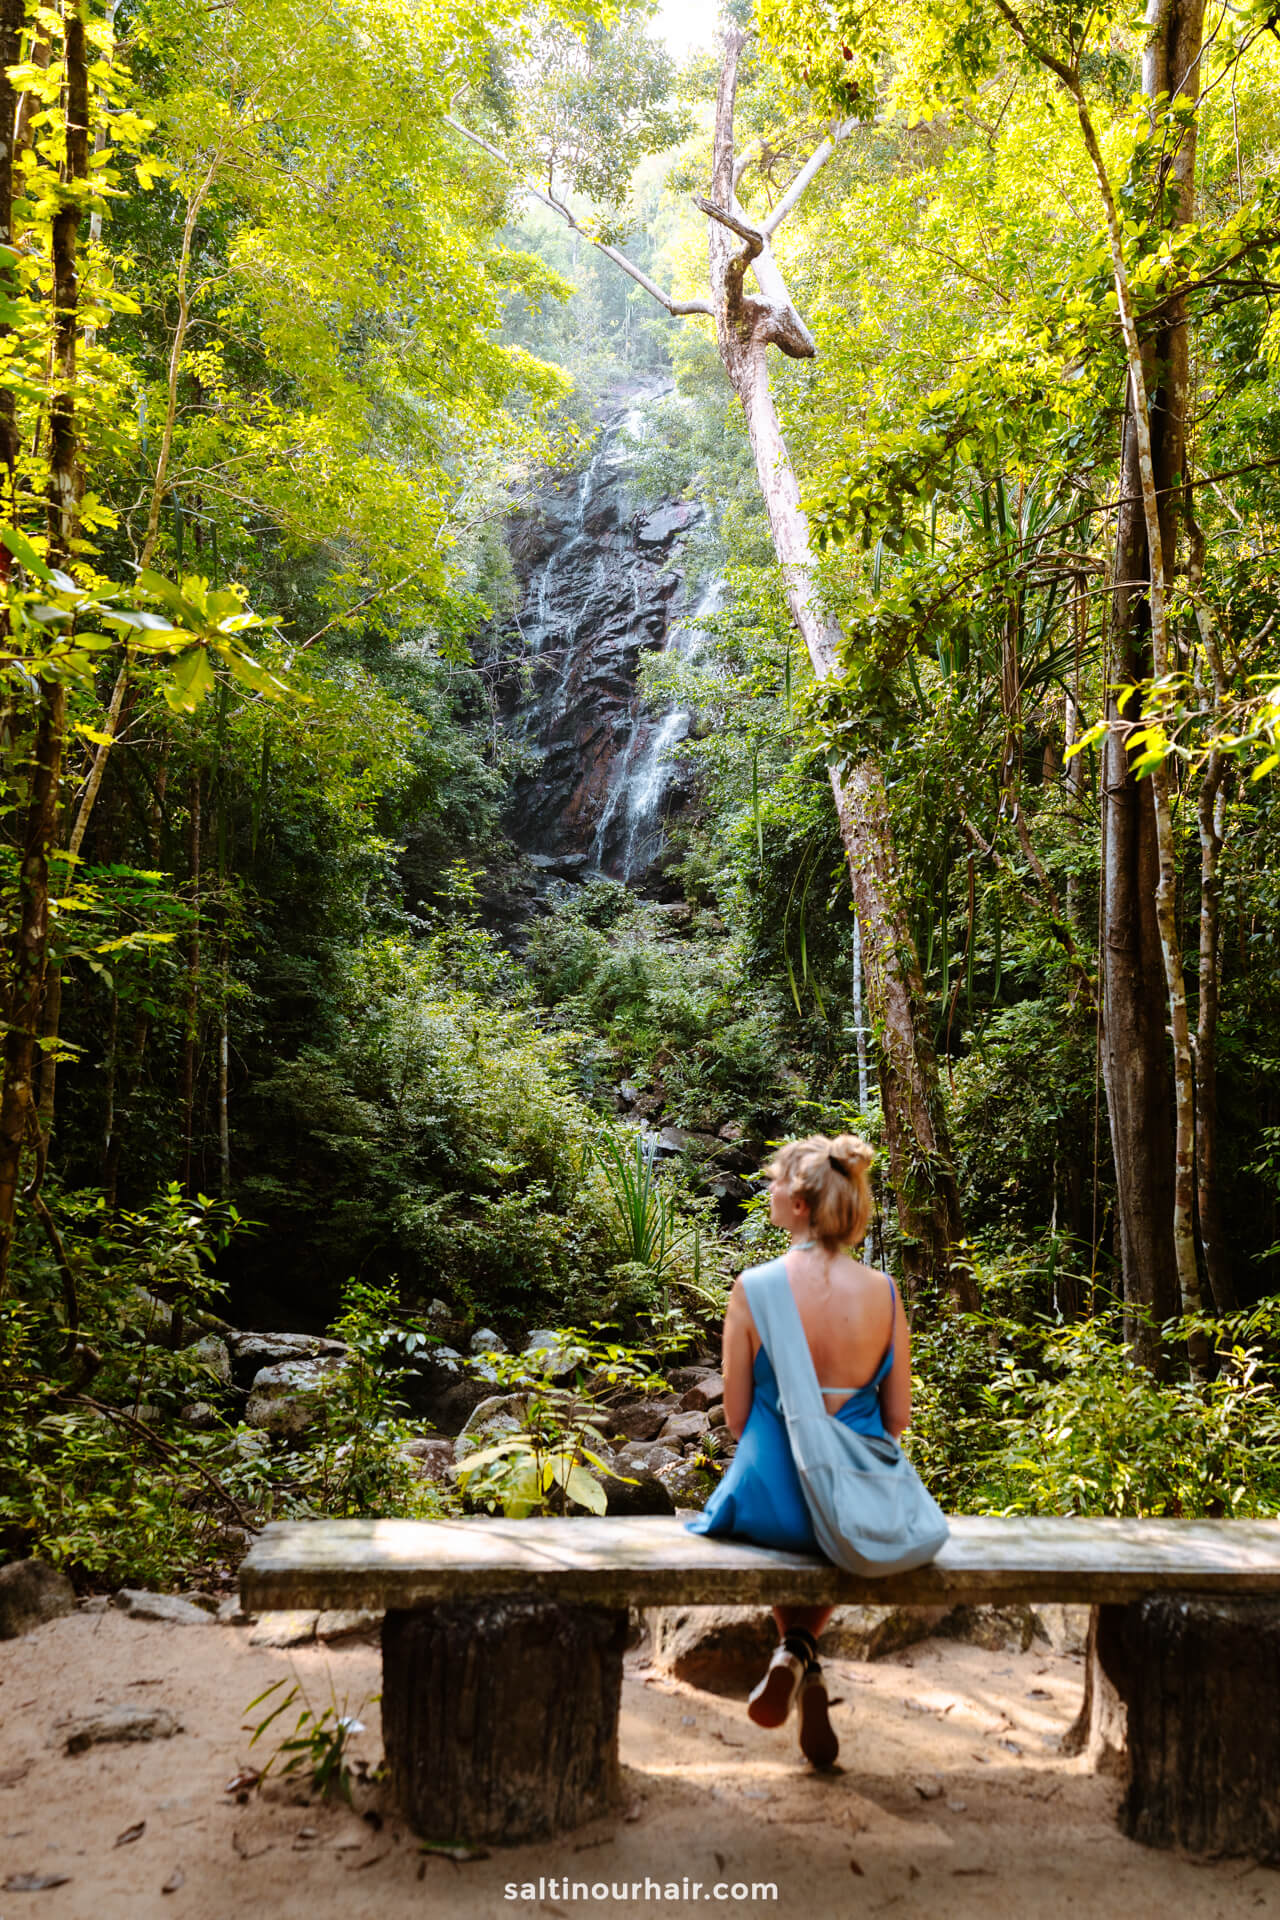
{"points": [[600, 575], [643, 772]]}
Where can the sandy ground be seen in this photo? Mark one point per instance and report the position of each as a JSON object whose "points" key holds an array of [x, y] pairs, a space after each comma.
{"points": [[1014, 1830]]}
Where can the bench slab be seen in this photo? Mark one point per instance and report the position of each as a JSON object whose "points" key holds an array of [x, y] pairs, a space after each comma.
{"points": [[385, 1564]]}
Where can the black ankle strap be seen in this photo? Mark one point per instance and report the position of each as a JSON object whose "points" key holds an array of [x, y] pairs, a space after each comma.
{"points": [[800, 1642]]}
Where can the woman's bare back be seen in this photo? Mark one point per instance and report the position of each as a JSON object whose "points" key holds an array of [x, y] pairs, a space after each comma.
{"points": [[850, 1314]]}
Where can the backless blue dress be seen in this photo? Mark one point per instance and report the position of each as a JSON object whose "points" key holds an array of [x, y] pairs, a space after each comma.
{"points": [[760, 1497]]}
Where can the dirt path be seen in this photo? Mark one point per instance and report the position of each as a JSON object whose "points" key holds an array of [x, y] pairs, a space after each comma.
{"points": [[953, 1803]]}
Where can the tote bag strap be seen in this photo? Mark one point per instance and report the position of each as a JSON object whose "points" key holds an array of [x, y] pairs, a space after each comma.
{"points": [[777, 1318]]}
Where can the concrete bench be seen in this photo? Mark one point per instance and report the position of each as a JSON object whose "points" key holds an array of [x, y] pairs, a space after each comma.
{"points": [[502, 1650]]}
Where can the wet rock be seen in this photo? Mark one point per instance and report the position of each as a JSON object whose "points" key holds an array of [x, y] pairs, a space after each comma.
{"points": [[32, 1592], [1063, 1629], [998, 1629], [251, 1352], [681, 1428], [720, 1649], [170, 1607], [285, 1399], [657, 529], [288, 1628], [875, 1633], [703, 1394], [485, 1340], [107, 1726]]}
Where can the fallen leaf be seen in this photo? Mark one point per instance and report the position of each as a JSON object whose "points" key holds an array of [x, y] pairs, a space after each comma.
{"points": [[634, 1811], [983, 1759], [913, 1872], [247, 1852], [130, 1834], [348, 1843], [928, 1789], [916, 1706], [717, 1735], [176, 1879], [247, 1777], [458, 1854], [1010, 1746], [1039, 1693], [34, 1882], [855, 1868], [720, 1862], [305, 1833], [374, 1858]]}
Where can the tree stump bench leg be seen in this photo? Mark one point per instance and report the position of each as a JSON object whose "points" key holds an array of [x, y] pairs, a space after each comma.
{"points": [[500, 1716], [1182, 1697]]}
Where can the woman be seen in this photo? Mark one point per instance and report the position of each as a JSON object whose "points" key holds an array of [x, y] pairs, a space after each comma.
{"points": [[857, 1332]]}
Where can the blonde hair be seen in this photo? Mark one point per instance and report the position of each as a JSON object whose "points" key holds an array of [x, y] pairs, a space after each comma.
{"points": [[832, 1176]]}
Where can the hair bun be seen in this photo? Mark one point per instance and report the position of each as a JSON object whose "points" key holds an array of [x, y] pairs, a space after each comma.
{"points": [[850, 1152]]}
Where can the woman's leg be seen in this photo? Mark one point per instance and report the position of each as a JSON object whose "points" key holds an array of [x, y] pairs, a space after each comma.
{"points": [[800, 1628], [810, 1620]]}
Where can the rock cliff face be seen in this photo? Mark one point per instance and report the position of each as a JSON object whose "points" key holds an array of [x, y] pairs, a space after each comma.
{"points": [[601, 581]]}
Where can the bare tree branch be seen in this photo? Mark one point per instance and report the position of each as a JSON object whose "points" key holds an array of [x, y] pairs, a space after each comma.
{"points": [[678, 309], [840, 130]]}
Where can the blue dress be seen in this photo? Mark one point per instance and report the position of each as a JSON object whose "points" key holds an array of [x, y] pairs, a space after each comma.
{"points": [[760, 1497]]}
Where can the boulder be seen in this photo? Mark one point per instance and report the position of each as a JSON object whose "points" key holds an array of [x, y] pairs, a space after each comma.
{"points": [[641, 1420], [645, 1456], [32, 1592], [107, 1725], [720, 1649], [288, 1628], [440, 1392], [501, 1414], [348, 1623], [485, 1340], [998, 1629], [681, 1428], [689, 1486], [284, 1399], [200, 1415], [170, 1607], [873, 1633], [1063, 1629], [704, 1393], [213, 1354], [637, 1495], [251, 1352], [551, 1354], [682, 1378], [430, 1459], [664, 523]]}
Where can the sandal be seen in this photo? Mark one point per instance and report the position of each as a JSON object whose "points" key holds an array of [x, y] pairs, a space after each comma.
{"points": [[770, 1702], [818, 1742]]}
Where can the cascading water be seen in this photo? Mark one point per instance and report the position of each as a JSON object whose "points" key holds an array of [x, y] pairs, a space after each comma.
{"points": [[643, 774], [600, 577]]}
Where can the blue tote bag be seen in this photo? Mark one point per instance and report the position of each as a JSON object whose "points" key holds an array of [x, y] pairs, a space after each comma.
{"points": [[871, 1511]]}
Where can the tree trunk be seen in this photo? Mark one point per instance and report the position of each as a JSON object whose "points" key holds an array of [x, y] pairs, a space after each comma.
{"points": [[1151, 1109], [921, 1169], [191, 1014], [30, 947], [500, 1717], [1203, 1691]]}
